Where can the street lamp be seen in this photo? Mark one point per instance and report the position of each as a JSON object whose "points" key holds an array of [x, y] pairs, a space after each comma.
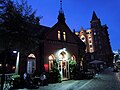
{"points": [[17, 61]]}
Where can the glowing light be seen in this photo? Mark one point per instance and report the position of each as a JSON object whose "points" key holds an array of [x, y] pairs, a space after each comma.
{"points": [[0, 65], [50, 57], [13, 67], [31, 56], [64, 49], [17, 63], [14, 51], [62, 54], [6, 65], [46, 67]]}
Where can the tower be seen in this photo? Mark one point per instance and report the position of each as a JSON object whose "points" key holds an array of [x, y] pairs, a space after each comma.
{"points": [[97, 41], [95, 21], [61, 16]]}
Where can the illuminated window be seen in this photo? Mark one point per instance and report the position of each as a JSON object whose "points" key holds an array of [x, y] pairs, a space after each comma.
{"points": [[91, 50], [94, 32], [51, 59], [31, 63], [31, 56], [59, 35], [64, 36], [73, 57]]}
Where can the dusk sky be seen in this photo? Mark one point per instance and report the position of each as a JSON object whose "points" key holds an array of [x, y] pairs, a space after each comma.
{"points": [[78, 13]]}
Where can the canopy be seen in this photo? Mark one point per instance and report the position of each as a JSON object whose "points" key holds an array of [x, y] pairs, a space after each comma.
{"points": [[96, 62], [118, 61]]}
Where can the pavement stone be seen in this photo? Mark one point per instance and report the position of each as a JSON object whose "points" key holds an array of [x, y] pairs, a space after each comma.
{"points": [[106, 80]]}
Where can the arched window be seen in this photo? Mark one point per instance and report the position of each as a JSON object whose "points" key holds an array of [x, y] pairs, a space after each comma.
{"points": [[31, 56], [31, 64], [73, 58], [59, 38], [64, 36], [51, 59]]}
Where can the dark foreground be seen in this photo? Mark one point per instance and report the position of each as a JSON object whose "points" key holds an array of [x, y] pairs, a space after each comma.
{"points": [[106, 80]]}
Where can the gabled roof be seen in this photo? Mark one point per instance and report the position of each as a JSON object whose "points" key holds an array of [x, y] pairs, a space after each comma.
{"points": [[40, 31]]}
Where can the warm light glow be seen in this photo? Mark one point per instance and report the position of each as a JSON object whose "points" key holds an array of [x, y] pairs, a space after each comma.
{"points": [[13, 67], [73, 57], [62, 54], [64, 36], [83, 38], [64, 49], [59, 35], [0, 65], [6, 65], [50, 57], [31, 56], [81, 64]]}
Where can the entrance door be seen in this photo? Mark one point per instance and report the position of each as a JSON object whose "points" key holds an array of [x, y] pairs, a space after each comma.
{"points": [[31, 66], [64, 69]]}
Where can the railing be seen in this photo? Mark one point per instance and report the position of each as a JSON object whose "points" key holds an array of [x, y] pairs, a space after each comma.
{"points": [[7, 82]]}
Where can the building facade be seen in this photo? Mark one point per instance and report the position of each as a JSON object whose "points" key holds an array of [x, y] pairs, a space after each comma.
{"points": [[97, 41], [58, 44]]}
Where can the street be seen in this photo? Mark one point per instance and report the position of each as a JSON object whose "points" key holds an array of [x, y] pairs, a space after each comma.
{"points": [[106, 80]]}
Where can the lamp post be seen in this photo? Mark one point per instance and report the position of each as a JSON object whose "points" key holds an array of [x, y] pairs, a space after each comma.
{"points": [[17, 61]]}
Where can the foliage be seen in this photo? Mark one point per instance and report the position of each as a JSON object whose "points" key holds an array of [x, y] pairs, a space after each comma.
{"points": [[15, 76], [72, 66], [17, 21], [55, 74]]}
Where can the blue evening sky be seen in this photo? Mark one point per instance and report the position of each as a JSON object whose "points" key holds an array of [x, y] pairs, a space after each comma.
{"points": [[78, 13]]}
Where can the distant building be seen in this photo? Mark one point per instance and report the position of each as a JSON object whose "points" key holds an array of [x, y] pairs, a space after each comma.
{"points": [[97, 41]]}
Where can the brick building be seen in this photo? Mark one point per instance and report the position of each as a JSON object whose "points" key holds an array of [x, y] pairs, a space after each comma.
{"points": [[97, 41], [57, 44]]}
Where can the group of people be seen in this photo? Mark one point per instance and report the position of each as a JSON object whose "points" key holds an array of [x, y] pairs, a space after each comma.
{"points": [[42, 79]]}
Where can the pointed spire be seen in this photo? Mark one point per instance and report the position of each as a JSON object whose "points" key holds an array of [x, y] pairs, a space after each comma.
{"points": [[94, 16], [61, 11], [95, 21], [61, 17]]}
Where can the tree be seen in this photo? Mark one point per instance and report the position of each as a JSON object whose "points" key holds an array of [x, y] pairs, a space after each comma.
{"points": [[72, 65], [17, 22]]}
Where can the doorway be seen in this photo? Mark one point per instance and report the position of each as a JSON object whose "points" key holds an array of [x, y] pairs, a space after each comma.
{"points": [[31, 64], [63, 67]]}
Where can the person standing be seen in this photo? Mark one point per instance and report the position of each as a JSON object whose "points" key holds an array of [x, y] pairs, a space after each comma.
{"points": [[42, 78]]}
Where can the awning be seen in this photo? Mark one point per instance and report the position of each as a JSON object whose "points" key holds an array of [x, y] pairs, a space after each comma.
{"points": [[118, 61], [96, 62]]}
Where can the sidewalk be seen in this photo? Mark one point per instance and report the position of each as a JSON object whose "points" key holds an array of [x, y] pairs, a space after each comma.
{"points": [[66, 85]]}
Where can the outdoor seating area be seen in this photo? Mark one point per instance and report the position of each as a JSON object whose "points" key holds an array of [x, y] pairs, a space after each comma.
{"points": [[14, 81]]}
